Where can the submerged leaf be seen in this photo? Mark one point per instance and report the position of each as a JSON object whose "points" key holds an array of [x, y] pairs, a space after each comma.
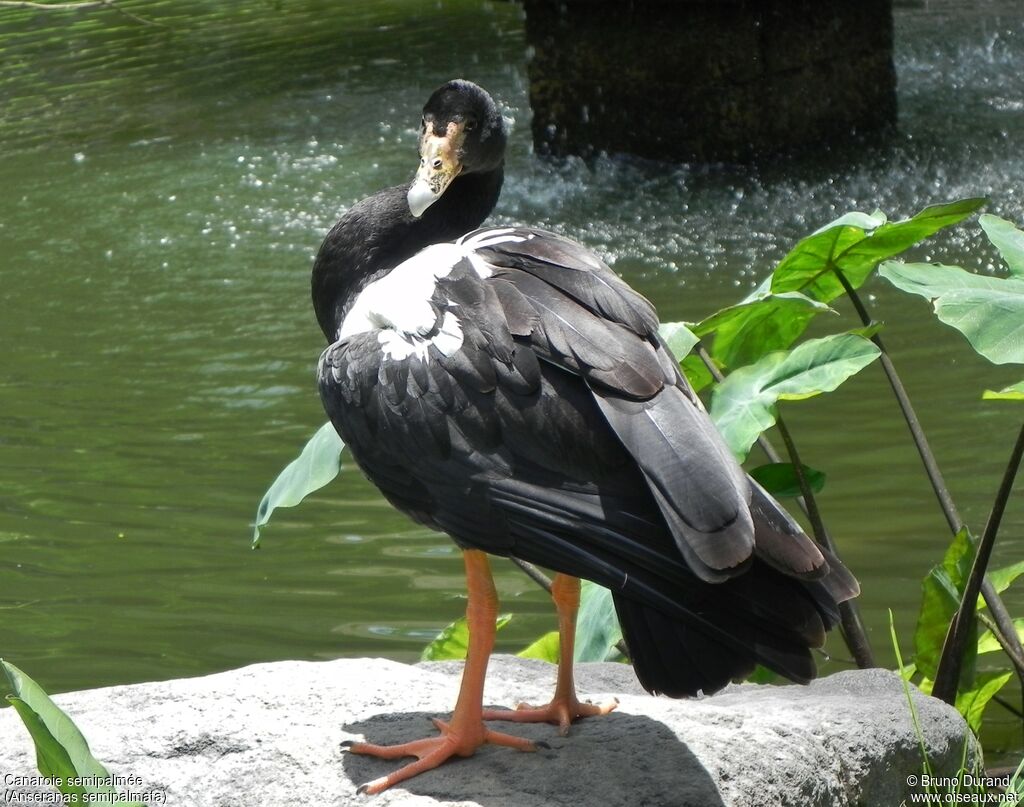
{"points": [[318, 464], [597, 627], [989, 311], [452, 643], [744, 405]]}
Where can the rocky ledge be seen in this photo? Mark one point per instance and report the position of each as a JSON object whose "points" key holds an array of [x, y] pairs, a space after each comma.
{"points": [[271, 734]]}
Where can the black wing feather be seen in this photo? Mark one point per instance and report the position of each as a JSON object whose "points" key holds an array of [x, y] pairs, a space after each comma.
{"points": [[561, 432]]}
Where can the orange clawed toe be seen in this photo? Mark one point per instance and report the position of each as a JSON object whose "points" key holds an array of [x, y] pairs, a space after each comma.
{"points": [[561, 712], [433, 751]]}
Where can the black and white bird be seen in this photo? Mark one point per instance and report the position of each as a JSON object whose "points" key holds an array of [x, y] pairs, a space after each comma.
{"points": [[506, 387]]}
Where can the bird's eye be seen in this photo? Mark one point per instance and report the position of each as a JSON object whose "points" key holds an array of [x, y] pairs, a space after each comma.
{"points": [[470, 125], [423, 123]]}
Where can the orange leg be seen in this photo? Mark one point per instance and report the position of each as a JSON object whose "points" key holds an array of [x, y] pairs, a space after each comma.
{"points": [[465, 732], [565, 707]]}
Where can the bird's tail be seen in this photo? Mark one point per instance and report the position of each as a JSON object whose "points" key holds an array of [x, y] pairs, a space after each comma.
{"points": [[763, 616]]}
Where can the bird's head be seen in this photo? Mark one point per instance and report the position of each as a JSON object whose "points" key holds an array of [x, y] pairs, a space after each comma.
{"points": [[462, 132]]}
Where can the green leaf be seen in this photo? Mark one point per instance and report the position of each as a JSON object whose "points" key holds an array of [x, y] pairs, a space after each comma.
{"points": [[989, 311], [987, 642], [1011, 393], [780, 479], [744, 405], [452, 642], [545, 648], [972, 702], [1002, 578], [939, 601], [679, 338], [761, 323], [856, 244], [959, 558], [1017, 782], [762, 675], [597, 628], [862, 221], [62, 753], [696, 372], [1007, 239], [868, 330], [941, 592], [318, 464]]}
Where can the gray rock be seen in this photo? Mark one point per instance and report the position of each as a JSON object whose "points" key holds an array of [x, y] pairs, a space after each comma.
{"points": [[270, 734]]}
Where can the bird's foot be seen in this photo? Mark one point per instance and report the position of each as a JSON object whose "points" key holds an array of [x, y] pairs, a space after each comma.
{"points": [[432, 751], [562, 712]]}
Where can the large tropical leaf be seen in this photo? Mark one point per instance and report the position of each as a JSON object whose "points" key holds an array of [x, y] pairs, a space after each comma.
{"points": [[62, 753], [971, 702], [597, 627], [941, 592], [760, 324], [679, 338], [696, 372], [318, 464], [989, 311], [780, 479], [452, 643], [1008, 240], [1003, 577], [988, 643], [855, 244], [546, 648], [744, 405]]}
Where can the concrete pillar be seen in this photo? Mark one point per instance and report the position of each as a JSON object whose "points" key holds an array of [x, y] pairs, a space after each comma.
{"points": [[707, 80]]}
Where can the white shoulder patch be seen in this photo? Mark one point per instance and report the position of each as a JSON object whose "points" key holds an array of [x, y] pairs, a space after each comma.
{"points": [[398, 305]]}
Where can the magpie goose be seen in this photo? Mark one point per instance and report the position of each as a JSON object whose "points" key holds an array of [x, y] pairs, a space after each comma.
{"points": [[506, 387]]}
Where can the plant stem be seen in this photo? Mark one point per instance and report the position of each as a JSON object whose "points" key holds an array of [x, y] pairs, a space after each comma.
{"points": [[1007, 634], [852, 626], [813, 513], [542, 580], [1015, 658], [1014, 710], [535, 574], [948, 675], [920, 439]]}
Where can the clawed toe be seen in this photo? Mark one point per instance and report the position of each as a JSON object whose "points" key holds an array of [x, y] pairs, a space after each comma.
{"points": [[432, 751], [562, 712]]}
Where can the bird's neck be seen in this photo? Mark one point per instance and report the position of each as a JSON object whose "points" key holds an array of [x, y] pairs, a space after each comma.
{"points": [[378, 233]]}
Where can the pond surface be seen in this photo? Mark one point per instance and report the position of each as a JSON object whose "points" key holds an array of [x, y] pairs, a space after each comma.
{"points": [[162, 193]]}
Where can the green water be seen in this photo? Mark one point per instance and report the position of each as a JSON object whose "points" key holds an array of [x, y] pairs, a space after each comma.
{"points": [[162, 193]]}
